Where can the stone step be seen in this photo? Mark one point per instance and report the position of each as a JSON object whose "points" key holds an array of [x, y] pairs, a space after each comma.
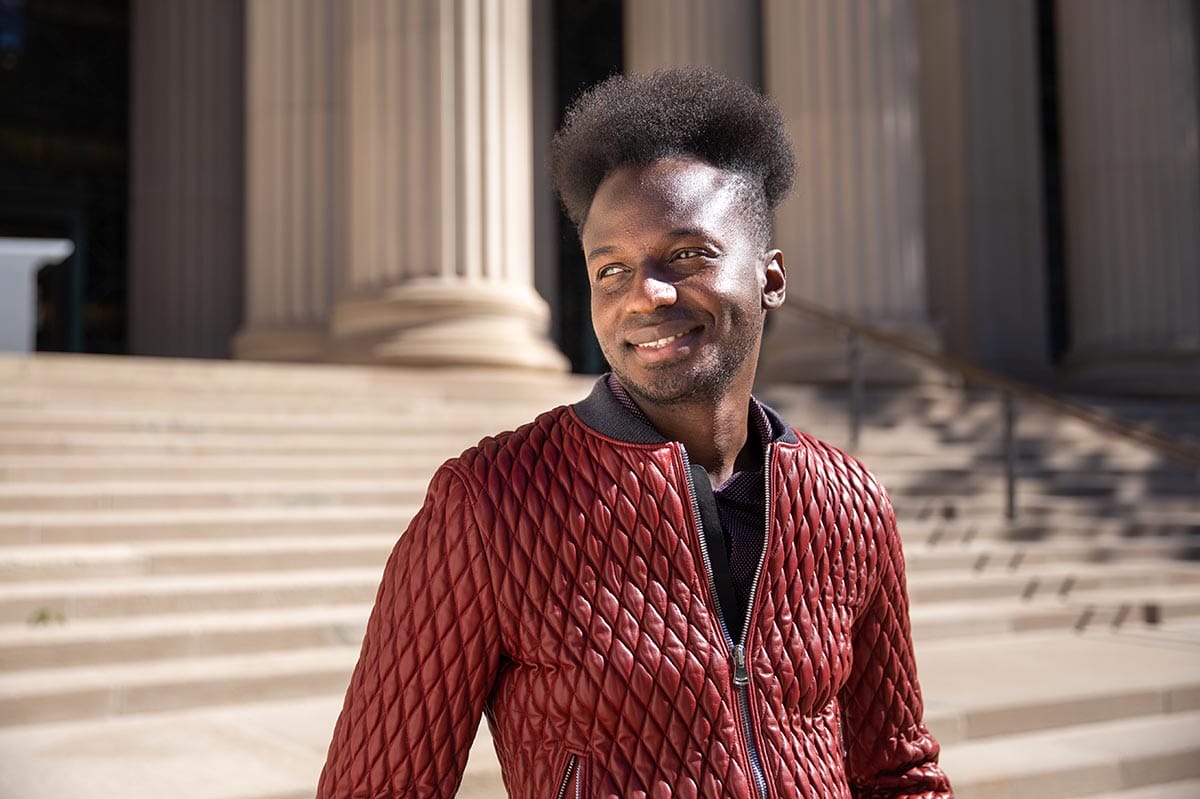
{"points": [[1088, 760], [482, 400], [198, 438], [1126, 487], [31, 527], [29, 471], [990, 556], [972, 407], [114, 494], [1001, 685], [1038, 432], [1062, 580], [98, 691], [116, 466], [275, 750], [260, 750], [179, 635], [402, 413], [1123, 680], [316, 444], [411, 418], [1034, 506], [147, 637], [208, 494], [85, 561], [67, 469], [139, 375], [46, 602], [1136, 608], [937, 531], [1102, 460], [1183, 789], [86, 566], [345, 549], [62, 527], [100, 597]]}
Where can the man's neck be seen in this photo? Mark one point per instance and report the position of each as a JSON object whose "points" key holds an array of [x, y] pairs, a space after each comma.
{"points": [[712, 430]]}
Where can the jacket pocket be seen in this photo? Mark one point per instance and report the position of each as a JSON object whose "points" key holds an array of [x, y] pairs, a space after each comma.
{"points": [[573, 784]]}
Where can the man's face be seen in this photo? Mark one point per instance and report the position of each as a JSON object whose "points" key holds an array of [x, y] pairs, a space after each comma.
{"points": [[680, 286]]}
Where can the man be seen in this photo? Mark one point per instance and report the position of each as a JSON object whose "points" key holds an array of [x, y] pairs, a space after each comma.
{"points": [[662, 590]]}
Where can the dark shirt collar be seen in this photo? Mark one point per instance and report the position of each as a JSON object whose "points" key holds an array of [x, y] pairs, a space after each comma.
{"points": [[605, 413], [759, 422]]}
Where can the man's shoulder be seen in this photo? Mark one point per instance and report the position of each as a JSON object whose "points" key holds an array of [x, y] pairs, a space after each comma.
{"points": [[510, 448]]}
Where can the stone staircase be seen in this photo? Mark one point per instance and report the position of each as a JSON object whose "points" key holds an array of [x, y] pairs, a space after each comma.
{"points": [[189, 550]]}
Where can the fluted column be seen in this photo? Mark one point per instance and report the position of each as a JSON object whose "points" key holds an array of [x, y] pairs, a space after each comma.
{"points": [[844, 73], [440, 267], [1131, 175], [982, 182], [185, 231], [723, 35], [295, 163]]}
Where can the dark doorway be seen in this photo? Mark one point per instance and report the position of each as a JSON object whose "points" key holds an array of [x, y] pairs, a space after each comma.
{"points": [[64, 108], [1058, 312], [587, 37]]}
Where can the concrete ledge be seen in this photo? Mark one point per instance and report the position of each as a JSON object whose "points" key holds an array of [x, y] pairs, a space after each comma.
{"points": [[1078, 761]]}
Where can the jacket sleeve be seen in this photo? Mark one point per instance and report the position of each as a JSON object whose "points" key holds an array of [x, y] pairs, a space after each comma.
{"points": [[890, 751], [427, 663]]}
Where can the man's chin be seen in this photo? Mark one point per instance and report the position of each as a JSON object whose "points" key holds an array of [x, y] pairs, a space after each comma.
{"points": [[667, 388]]}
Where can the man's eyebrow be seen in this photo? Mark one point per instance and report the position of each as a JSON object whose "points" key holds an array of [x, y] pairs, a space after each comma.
{"points": [[677, 233], [603, 250], [680, 232]]}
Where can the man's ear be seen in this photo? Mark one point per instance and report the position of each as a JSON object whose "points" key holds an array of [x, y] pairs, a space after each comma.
{"points": [[774, 288]]}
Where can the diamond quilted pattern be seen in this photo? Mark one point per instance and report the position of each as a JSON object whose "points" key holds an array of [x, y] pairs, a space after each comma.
{"points": [[554, 582]]}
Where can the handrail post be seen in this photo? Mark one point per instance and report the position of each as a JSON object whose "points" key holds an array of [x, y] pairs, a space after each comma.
{"points": [[856, 388], [1010, 457]]}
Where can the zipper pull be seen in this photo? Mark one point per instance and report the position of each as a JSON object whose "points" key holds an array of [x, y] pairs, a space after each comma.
{"points": [[741, 675]]}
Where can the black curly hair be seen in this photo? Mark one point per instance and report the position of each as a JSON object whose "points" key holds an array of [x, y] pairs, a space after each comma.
{"points": [[637, 119]]}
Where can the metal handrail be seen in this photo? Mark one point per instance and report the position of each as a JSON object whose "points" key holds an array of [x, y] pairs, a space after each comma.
{"points": [[1009, 389]]}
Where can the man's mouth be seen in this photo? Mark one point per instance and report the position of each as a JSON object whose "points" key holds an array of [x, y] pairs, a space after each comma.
{"points": [[660, 336], [659, 343]]}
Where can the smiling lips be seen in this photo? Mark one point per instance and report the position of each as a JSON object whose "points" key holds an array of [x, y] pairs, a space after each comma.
{"points": [[650, 339], [659, 344]]}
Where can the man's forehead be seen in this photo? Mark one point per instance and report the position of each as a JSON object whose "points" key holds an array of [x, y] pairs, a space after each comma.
{"points": [[672, 189]]}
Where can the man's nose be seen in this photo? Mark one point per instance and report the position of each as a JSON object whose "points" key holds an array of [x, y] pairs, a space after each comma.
{"points": [[651, 292]]}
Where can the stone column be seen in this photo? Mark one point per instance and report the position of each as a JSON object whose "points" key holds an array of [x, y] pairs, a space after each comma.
{"points": [[1131, 176], [295, 164], [723, 35], [185, 185], [844, 73], [440, 268], [982, 182]]}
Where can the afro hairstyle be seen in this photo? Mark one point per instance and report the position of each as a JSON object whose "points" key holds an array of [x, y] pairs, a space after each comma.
{"points": [[638, 119]]}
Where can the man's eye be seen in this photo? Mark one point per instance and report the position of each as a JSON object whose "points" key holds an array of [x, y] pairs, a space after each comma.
{"points": [[684, 255], [608, 271]]}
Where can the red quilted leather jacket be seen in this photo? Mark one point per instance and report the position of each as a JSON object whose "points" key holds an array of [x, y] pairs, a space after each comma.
{"points": [[558, 580]]}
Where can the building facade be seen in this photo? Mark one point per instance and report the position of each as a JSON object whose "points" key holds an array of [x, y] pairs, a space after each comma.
{"points": [[1014, 183]]}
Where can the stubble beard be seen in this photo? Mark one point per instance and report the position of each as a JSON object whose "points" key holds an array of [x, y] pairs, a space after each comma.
{"points": [[702, 378]]}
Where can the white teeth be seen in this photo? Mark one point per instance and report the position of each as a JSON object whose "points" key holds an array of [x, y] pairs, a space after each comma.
{"points": [[662, 342]]}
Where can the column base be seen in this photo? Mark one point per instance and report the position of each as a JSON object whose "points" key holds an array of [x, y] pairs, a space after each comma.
{"points": [[801, 350], [1152, 374], [447, 323], [301, 343]]}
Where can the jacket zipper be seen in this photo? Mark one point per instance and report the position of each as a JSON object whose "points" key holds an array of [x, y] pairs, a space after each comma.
{"points": [[572, 762], [741, 674]]}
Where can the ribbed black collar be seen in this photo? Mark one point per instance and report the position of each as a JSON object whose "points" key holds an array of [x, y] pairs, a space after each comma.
{"points": [[604, 413]]}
